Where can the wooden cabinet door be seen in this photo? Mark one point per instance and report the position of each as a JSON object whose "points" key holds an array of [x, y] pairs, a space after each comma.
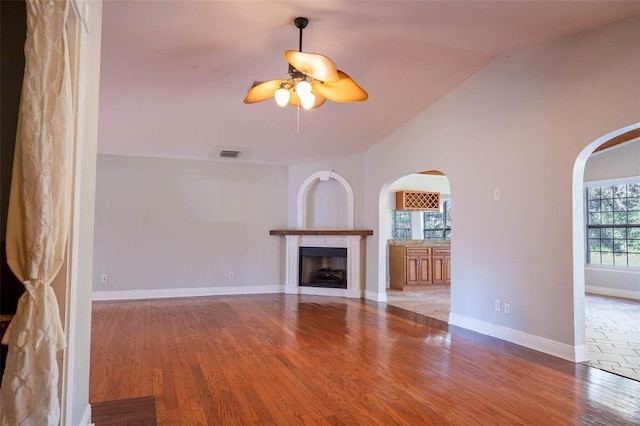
{"points": [[439, 266], [413, 268], [446, 271], [424, 270], [418, 270]]}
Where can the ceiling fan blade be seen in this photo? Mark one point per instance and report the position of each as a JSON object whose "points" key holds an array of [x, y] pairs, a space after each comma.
{"points": [[263, 91], [294, 100], [315, 65], [344, 90]]}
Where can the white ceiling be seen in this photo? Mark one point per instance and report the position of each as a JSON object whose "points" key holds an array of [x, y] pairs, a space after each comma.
{"points": [[174, 73]]}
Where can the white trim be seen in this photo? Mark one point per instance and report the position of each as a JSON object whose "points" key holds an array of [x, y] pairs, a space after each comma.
{"points": [[551, 347], [375, 296], [581, 353], [163, 293], [579, 233], [612, 268], [80, 10], [86, 417], [613, 292], [323, 291], [76, 61], [355, 257]]}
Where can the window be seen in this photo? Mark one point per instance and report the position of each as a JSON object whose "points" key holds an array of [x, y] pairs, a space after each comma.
{"points": [[613, 224], [437, 225], [401, 225]]}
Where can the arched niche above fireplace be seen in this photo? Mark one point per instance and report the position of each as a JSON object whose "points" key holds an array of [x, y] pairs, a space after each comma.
{"points": [[303, 202]]}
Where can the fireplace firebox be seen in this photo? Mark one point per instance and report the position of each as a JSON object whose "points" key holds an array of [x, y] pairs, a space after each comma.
{"points": [[323, 267]]}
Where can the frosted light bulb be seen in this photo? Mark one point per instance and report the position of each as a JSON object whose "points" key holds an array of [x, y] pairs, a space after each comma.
{"points": [[307, 100], [303, 88], [282, 96]]}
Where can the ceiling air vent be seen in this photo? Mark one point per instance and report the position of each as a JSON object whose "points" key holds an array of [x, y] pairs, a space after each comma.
{"points": [[229, 154]]}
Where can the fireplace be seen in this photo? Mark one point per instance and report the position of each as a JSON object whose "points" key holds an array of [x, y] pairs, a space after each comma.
{"points": [[323, 267], [334, 266], [322, 274]]}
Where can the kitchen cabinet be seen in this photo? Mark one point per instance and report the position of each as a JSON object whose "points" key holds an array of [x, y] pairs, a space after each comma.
{"points": [[419, 267], [417, 200], [441, 266]]}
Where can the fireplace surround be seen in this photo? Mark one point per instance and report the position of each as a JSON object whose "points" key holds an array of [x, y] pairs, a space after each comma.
{"points": [[347, 240]]}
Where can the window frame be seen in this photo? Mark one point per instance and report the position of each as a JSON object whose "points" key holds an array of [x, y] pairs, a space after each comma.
{"points": [[631, 180], [445, 212], [396, 231]]}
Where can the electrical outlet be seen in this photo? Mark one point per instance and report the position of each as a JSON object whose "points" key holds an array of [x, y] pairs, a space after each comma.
{"points": [[104, 278], [232, 275], [496, 305], [507, 308], [496, 194]]}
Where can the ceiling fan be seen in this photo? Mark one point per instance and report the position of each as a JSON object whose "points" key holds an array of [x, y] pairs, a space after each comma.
{"points": [[313, 78]]}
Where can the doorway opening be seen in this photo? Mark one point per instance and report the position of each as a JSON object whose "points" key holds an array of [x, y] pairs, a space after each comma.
{"points": [[418, 243], [606, 206]]}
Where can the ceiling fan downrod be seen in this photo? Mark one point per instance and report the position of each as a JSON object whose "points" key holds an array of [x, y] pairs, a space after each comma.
{"points": [[301, 24]]}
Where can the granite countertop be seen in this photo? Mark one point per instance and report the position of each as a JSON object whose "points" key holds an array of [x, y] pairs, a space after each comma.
{"points": [[420, 243]]}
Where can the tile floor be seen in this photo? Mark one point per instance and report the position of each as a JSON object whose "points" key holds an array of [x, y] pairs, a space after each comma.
{"points": [[613, 334], [434, 303], [612, 325]]}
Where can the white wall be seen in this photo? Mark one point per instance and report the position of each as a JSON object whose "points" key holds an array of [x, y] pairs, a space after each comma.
{"points": [[622, 161], [183, 224], [327, 206], [517, 125]]}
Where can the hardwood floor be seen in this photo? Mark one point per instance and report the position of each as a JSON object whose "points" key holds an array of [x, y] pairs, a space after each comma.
{"points": [[132, 411], [285, 359]]}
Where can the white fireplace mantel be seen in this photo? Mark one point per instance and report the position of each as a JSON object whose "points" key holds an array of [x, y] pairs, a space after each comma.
{"points": [[352, 240]]}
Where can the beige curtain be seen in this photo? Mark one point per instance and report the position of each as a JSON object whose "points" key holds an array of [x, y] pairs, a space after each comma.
{"points": [[37, 224]]}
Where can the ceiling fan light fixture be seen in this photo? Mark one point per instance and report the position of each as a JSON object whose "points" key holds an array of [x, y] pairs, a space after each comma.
{"points": [[282, 96], [303, 88], [313, 79], [307, 100]]}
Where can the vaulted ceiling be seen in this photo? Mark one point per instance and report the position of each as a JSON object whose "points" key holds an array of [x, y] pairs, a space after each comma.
{"points": [[174, 73]]}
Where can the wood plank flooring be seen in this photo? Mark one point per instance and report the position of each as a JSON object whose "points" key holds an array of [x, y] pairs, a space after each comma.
{"points": [[133, 411], [287, 359]]}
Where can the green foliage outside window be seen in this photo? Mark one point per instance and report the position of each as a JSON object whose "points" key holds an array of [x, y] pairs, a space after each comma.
{"points": [[401, 225], [613, 224]]}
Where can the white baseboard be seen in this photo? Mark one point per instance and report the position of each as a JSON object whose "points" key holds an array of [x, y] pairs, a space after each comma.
{"points": [[551, 347], [375, 296], [581, 353], [163, 293], [86, 417], [613, 292]]}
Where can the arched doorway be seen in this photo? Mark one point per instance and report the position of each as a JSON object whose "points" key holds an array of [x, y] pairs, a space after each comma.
{"points": [[606, 229], [418, 243]]}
